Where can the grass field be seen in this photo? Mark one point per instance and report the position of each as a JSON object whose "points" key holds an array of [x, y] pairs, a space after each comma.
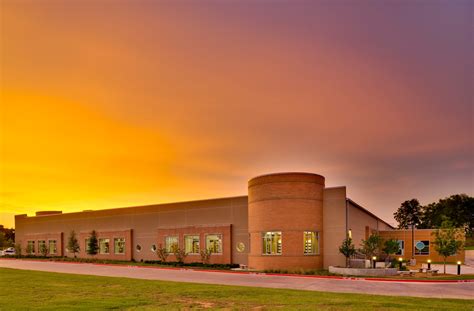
{"points": [[32, 290]]}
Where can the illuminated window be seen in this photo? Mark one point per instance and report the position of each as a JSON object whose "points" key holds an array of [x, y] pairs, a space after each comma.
{"points": [[171, 244], [30, 248], [214, 243], [191, 243], [52, 247], [401, 248], [42, 247], [271, 243], [104, 245], [422, 247], [119, 246], [311, 242]]}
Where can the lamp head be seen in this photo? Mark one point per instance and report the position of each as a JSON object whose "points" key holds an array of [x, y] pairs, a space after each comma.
{"points": [[429, 260], [459, 262], [400, 259], [375, 257]]}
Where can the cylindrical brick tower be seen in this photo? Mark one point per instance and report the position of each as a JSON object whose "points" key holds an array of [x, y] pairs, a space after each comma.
{"points": [[285, 209]]}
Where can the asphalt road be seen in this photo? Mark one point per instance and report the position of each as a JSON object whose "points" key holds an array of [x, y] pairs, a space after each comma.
{"points": [[415, 289]]}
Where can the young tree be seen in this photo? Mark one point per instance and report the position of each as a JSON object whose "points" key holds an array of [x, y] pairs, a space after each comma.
{"points": [[93, 244], [448, 241], [347, 249], [18, 249], [371, 246], [180, 254], [205, 255], [390, 247], [73, 243], [30, 249], [162, 253]]}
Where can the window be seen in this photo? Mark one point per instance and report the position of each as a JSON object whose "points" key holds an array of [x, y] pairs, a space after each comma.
{"points": [[171, 243], [30, 248], [214, 243], [311, 242], [52, 246], [191, 243], [271, 243], [422, 247], [87, 248], [401, 248], [119, 246], [153, 248], [138, 248], [42, 247], [104, 246]]}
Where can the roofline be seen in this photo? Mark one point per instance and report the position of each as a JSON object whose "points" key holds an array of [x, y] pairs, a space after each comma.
{"points": [[138, 206], [368, 212]]}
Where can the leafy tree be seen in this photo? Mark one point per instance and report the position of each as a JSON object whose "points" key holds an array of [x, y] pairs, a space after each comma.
{"points": [[448, 241], [458, 209], [2, 240], [162, 253], [73, 243], [93, 244], [180, 254], [347, 249], [390, 247], [408, 214], [205, 255], [371, 246]]}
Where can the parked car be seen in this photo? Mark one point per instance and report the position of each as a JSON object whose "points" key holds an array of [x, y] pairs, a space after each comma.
{"points": [[9, 251]]}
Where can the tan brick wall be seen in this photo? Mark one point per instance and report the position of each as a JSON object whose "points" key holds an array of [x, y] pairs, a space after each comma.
{"points": [[420, 235], [202, 231]]}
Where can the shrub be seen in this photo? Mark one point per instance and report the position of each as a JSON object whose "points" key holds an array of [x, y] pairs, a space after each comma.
{"points": [[205, 255], [73, 243], [93, 244], [180, 255]]}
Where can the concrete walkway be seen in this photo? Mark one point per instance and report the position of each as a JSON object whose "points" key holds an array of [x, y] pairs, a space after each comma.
{"points": [[416, 289]]}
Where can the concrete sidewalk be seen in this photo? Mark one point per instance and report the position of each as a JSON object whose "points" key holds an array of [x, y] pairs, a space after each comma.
{"points": [[416, 289]]}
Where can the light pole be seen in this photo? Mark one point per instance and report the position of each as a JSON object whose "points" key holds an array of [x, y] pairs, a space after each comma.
{"points": [[400, 261], [459, 268], [429, 264], [373, 260]]}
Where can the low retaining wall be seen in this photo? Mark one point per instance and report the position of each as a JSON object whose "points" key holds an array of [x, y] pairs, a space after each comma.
{"points": [[361, 271]]}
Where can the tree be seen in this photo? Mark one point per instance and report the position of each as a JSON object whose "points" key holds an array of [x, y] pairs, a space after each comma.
{"points": [[390, 247], [180, 254], [2, 240], [205, 255], [162, 253], [30, 249], [448, 241], [371, 246], [92, 244], [73, 243], [18, 249], [408, 214], [347, 249], [458, 209]]}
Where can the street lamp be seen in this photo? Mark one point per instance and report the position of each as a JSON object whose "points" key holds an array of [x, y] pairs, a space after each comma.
{"points": [[459, 267], [400, 260], [429, 264], [373, 260]]}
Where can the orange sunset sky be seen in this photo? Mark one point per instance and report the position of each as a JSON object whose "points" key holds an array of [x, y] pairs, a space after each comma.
{"points": [[117, 103]]}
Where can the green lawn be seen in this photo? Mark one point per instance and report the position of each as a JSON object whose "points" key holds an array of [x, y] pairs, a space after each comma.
{"points": [[20, 290]]}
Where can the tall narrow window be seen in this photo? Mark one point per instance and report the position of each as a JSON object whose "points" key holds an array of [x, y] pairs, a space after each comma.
{"points": [[42, 249], [401, 248], [87, 248], [191, 243], [104, 245], [214, 243], [52, 247], [119, 246], [171, 243], [311, 242], [30, 249], [271, 243]]}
